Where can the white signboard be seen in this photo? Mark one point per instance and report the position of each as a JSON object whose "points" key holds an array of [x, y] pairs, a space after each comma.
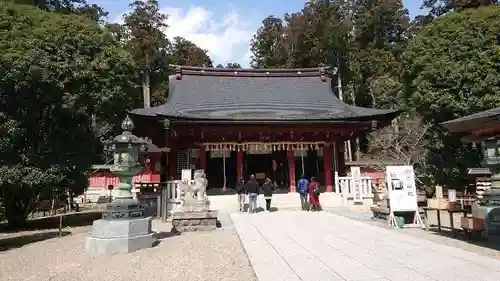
{"points": [[357, 184], [186, 175], [452, 195], [402, 189]]}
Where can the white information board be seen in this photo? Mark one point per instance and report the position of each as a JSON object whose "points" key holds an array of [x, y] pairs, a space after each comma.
{"points": [[402, 189], [402, 193], [357, 184]]}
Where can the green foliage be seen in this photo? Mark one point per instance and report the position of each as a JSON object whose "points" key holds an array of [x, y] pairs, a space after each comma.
{"points": [[78, 7], [57, 71], [452, 69], [441, 7], [185, 52], [146, 27]]}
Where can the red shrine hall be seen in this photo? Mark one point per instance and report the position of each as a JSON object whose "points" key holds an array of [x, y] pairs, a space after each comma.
{"points": [[277, 123]]}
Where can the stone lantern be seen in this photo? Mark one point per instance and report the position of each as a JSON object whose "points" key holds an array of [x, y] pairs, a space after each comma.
{"points": [[124, 226], [126, 149], [491, 155]]}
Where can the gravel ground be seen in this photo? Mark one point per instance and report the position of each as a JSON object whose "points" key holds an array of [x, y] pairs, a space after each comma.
{"points": [[445, 238], [207, 256]]}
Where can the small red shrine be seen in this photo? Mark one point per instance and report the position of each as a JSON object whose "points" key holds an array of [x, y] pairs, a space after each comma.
{"points": [[277, 123]]}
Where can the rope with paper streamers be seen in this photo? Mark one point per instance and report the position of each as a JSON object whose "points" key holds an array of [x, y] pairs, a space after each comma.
{"points": [[262, 146]]}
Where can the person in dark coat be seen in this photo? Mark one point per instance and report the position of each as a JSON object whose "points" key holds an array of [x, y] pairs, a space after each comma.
{"points": [[241, 193], [267, 189], [252, 188]]}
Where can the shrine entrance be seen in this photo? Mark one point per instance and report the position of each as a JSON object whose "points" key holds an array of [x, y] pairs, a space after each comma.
{"points": [[221, 169]]}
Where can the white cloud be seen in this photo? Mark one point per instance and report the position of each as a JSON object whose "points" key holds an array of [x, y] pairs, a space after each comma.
{"points": [[227, 37]]}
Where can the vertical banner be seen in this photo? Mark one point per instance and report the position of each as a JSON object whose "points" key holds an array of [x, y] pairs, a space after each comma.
{"points": [[357, 184]]}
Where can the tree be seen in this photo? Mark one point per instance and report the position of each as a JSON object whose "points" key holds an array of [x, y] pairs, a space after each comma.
{"points": [[57, 71], [146, 26], [233, 65], [405, 145], [77, 7], [268, 44], [440, 7], [185, 52], [452, 72]]}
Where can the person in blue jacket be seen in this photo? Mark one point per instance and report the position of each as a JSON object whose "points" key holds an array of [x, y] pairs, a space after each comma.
{"points": [[302, 189]]}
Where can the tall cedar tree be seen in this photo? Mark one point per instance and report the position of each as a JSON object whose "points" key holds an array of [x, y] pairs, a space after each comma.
{"points": [[146, 26]]}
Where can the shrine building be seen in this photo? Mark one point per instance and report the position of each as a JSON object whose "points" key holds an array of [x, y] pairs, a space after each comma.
{"points": [[277, 123]]}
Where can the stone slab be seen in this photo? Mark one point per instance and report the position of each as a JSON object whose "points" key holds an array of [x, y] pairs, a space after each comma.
{"points": [[320, 246], [195, 215], [121, 228], [103, 246], [194, 221]]}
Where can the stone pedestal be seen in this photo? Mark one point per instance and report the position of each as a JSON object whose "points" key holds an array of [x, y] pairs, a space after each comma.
{"points": [[194, 221], [120, 236], [194, 216]]}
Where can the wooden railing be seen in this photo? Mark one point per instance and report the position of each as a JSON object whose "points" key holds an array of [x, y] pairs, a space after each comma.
{"points": [[344, 185], [151, 193]]}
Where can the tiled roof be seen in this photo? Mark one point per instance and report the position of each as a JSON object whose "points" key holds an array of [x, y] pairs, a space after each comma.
{"points": [[473, 121], [257, 94]]}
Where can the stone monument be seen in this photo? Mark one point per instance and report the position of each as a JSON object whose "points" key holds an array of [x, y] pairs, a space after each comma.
{"points": [[124, 227], [195, 214]]}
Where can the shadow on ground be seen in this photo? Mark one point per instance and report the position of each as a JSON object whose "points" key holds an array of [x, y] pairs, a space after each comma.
{"points": [[459, 235], [22, 240], [52, 222], [162, 235]]}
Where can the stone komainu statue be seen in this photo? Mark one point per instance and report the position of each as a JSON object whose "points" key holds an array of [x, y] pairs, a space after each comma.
{"points": [[197, 190]]}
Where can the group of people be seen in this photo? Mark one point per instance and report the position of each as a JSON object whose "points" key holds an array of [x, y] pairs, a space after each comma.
{"points": [[308, 191], [309, 194], [252, 188]]}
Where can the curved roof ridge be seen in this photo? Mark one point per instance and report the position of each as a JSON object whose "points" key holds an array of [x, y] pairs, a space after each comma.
{"points": [[252, 72], [286, 96]]}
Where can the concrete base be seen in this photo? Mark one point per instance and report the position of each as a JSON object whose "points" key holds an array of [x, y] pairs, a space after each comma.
{"points": [[194, 221], [120, 236], [110, 246]]}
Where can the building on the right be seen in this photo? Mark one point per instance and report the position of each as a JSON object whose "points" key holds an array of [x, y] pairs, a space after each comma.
{"points": [[484, 128]]}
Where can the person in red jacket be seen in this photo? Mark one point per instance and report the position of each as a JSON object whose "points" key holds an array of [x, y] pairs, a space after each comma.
{"points": [[313, 191]]}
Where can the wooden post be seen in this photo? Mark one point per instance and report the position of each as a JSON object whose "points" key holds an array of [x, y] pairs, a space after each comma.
{"points": [[172, 163], [341, 157], [239, 163], [327, 166], [291, 169], [60, 224]]}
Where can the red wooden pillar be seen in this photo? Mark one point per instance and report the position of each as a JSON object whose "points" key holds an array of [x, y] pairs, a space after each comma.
{"points": [[239, 163], [172, 163], [202, 158], [327, 167], [291, 169]]}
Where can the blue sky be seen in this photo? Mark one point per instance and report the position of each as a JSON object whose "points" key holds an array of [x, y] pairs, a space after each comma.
{"points": [[224, 28]]}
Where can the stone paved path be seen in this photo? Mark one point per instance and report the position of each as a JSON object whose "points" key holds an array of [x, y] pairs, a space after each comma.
{"points": [[293, 246]]}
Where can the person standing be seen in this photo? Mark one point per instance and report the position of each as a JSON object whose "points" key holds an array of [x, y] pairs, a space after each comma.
{"points": [[241, 193], [252, 188], [313, 191], [268, 188], [302, 189]]}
